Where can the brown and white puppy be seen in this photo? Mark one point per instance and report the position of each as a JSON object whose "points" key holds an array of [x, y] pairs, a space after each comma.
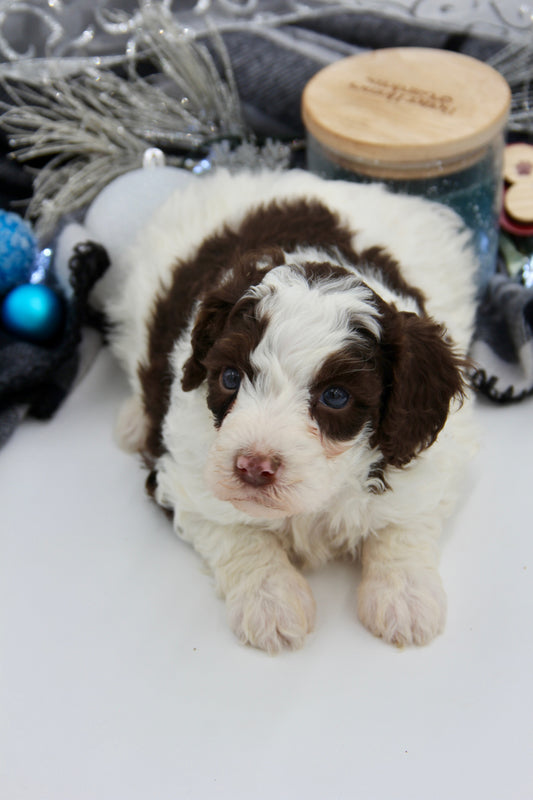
{"points": [[295, 352]]}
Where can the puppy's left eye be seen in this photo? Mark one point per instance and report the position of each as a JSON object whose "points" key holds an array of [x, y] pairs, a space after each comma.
{"points": [[231, 379], [335, 397]]}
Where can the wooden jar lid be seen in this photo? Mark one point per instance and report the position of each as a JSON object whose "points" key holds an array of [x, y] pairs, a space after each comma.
{"points": [[405, 106], [518, 162]]}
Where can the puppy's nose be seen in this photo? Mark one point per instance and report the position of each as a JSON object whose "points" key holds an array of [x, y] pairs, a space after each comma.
{"points": [[257, 469]]}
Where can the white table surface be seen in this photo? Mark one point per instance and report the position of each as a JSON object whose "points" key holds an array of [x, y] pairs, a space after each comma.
{"points": [[121, 681]]}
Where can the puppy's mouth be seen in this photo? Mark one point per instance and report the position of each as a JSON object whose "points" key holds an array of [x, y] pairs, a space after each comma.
{"points": [[261, 507], [265, 503]]}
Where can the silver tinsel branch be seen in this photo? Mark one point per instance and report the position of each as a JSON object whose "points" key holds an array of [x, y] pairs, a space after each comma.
{"points": [[95, 126], [190, 70]]}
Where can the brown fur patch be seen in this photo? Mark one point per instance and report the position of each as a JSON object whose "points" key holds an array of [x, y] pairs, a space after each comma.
{"points": [[224, 309], [357, 369], [322, 272], [241, 333], [376, 261]]}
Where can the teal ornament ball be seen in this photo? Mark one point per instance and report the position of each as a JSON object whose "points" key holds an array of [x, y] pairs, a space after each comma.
{"points": [[33, 312], [18, 250]]}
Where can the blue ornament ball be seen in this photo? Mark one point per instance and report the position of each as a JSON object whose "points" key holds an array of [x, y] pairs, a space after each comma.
{"points": [[33, 312], [18, 250]]}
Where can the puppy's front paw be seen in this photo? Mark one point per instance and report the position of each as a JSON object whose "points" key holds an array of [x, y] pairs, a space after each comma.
{"points": [[272, 610], [403, 606]]}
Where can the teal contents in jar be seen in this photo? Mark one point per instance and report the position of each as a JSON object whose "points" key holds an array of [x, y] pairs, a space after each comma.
{"points": [[474, 193]]}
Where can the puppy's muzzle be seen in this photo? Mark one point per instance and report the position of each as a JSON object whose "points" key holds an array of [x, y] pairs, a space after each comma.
{"points": [[257, 469]]}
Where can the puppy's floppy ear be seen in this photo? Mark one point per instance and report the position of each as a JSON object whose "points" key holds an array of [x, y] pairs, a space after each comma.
{"points": [[422, 375]]}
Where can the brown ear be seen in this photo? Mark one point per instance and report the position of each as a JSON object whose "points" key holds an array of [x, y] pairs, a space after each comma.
{"points": [[422, 374]]}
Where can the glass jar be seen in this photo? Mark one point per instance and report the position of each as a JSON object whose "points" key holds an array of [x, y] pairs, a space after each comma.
{"points": [[422, 121]]}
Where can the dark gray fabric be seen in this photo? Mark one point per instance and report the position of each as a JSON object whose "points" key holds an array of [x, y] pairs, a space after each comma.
{"points": [[503, 343], [272, 66], [36, 378], [9, 419]]}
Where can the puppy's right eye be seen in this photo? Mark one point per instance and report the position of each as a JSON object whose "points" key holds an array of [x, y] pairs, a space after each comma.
{"points": [[230, 379], [335, 397]]}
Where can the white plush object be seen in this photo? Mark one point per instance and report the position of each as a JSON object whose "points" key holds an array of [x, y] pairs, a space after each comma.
{"points": [[119, 212], [261, 485]]}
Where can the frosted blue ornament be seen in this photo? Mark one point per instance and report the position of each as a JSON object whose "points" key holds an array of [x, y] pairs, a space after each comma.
{"points": [[18, 250], [33, 312]]}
